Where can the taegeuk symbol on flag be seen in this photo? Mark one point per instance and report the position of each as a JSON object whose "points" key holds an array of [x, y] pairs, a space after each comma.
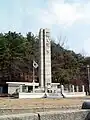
{"points": [[35, 65]]}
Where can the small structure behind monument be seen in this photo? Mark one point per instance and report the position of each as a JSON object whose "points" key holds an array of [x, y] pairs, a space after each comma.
{"points": [[24, 89]]}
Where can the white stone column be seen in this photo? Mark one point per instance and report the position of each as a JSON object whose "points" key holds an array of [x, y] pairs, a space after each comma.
{"points": [[77, 88], [20, 87], [33, 87], [62, 88], [41, 60], [26, 88], [72, 88], [83, 88], [47, 57]]}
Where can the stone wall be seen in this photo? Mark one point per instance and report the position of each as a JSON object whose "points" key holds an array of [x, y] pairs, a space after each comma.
{"points": [[54, 115], [65, 115], [27, 116]]}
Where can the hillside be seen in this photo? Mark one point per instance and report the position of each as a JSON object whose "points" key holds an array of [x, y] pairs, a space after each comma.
{"points": [[17, 53]]}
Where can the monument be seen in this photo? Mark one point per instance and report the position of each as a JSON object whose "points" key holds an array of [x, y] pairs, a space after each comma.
{"points": [[45, 87], [45, 59]]}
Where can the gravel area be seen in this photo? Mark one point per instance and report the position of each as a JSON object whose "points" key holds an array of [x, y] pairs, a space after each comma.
{"points": [[15, 106], [40, 103]]}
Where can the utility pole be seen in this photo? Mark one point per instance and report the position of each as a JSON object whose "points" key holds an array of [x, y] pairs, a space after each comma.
{"points": [[88, 70]]}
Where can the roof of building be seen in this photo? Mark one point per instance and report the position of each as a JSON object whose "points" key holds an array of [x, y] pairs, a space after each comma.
{"points": [[24, 83]]}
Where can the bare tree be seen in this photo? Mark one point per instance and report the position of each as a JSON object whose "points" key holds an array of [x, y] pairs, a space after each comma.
{"points": [[83, 53], [62, 41]]}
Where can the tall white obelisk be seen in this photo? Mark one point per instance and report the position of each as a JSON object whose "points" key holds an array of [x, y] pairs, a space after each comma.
{"points": [[41, 60], [45, 58]]}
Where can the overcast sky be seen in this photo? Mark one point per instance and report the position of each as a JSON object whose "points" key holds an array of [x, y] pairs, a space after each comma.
{"points": [[70, 18]]}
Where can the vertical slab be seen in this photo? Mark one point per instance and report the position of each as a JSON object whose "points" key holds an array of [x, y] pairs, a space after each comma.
{"points": [[47, 58], [41, 61]]}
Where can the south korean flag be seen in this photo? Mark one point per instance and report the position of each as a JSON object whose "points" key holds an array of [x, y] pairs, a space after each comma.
{"points": [[35, 65]]}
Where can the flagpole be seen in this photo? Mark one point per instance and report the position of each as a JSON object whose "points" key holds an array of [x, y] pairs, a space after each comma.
{"points": [[33, 79], [35, 65], [33, 73]]}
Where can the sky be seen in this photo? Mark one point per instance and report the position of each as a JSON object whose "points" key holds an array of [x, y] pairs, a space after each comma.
{"points": [[66, 19]]}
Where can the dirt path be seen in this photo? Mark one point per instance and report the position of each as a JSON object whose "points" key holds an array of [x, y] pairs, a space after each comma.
{"points": [[32, 103]]}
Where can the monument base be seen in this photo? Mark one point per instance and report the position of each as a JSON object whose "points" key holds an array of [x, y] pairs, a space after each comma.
{"points": [[31, 95]]}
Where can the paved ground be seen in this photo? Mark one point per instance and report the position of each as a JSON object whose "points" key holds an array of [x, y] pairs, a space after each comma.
{"points": [[35, 103]]}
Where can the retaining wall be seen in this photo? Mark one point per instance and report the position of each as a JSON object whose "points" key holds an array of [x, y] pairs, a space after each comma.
{"points": [[54, 115]]}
